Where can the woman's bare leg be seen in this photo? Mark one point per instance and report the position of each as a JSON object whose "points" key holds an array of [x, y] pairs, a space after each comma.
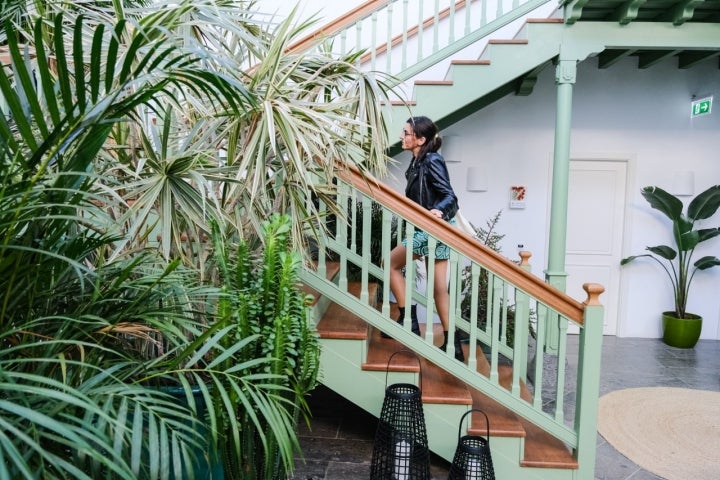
{"points": [[397, 279], [440, 292]]}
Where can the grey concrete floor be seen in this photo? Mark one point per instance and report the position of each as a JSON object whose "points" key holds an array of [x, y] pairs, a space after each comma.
{"points": [[339, 443]]}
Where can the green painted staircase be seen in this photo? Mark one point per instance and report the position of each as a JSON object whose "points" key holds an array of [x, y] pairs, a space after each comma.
{"points": [[354, 363]]}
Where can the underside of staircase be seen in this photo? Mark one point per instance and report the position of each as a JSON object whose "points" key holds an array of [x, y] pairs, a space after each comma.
{"points": [[511, 66], [354, 363]]}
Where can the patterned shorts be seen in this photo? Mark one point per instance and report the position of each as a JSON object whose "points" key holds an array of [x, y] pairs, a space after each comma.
{"points": [[420, 245]]}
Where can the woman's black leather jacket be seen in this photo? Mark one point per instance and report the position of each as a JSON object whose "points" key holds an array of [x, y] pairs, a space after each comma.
{"points": [[428, 183]]}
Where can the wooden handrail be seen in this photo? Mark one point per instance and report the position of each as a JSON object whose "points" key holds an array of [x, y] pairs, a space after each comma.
{"points": [[474, 250], [337, 25]]}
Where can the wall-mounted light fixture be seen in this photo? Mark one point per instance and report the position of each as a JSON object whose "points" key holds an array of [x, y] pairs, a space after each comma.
{"points": [[683, 183], [451, 148], [476, 179]]}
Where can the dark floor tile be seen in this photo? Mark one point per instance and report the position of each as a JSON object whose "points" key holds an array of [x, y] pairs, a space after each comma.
{"points": [[644, 475], [358, 424], [309, 470], [348, 471], [611, 465], [337, 450], [322, 426]]}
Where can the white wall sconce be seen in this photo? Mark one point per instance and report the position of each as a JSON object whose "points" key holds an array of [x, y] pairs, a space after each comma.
{"points": [[683, 183], [451, 149], [477, 180]]}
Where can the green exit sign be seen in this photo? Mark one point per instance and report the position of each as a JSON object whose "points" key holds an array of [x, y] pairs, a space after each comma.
{"points": [[701, 107]]}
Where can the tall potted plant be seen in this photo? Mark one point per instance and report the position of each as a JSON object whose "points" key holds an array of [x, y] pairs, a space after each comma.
{"points": [[681, 328]]}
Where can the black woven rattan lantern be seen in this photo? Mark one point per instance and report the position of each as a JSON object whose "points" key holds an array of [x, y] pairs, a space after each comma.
{"points": [[472, 459], [401, 447]]}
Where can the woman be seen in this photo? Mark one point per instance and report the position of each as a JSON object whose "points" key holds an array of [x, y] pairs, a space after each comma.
{"points": [[428, 184]]}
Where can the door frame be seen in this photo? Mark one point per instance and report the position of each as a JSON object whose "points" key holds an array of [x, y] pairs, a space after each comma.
{"points": [[629, 159]]}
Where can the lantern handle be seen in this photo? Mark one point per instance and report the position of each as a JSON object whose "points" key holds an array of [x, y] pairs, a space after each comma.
{"points": [[487, 420], [387, 369]]}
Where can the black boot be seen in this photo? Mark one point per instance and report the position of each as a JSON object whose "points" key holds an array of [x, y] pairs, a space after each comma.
{"points": [[459, 355], [414, 326], [400, 319]]}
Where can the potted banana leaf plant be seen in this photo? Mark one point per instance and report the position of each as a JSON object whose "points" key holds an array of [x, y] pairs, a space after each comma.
{"points": [[681, 328]]}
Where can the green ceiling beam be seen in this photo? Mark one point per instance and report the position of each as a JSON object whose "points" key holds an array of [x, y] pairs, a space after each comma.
{"points": [[628, 11], [692, 58], [608, 58]]}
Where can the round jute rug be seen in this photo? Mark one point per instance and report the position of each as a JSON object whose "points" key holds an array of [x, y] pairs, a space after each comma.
{"points": [[671, 432]]}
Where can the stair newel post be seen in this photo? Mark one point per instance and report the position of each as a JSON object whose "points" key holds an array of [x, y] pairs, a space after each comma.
{"points": [[588, 387]]}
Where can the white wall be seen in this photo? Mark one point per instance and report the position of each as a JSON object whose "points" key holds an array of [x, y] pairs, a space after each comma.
{"points": [[620, 112]]}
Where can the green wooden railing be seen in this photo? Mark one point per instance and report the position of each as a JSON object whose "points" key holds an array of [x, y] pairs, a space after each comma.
{"points": [[406, 37], [374, 218]]}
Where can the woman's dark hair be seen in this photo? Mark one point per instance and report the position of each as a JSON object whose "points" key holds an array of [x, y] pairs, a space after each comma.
{"points": [[424, 127]]}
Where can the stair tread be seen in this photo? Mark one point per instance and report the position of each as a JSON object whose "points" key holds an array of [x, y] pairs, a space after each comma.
{"points": [[339, 323], [380, 351], [470, 62], [545, 20], [508, 41], [437, 387], [545, 451], [503, 422], [434, 82]]}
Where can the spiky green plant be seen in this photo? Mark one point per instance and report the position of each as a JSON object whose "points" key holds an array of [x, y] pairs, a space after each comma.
{"points": [[265, 299]]}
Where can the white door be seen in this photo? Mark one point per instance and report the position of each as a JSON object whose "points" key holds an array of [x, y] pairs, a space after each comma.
{"points": [[596, 217]]}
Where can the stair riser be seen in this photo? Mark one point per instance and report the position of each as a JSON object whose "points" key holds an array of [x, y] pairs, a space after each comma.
{"points": [[505, 452]]}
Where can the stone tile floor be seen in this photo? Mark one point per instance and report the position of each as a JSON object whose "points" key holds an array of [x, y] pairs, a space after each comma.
{"points": [[340, 442]]}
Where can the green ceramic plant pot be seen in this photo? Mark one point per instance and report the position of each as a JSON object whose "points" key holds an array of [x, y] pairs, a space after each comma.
{"points": [[681, 332], [209, 465]]}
